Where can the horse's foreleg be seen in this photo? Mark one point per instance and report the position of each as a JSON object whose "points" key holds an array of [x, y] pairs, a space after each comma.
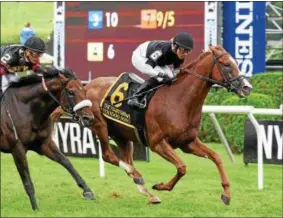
{"points": [[19, 155], [200, 149], [168, 153], [126, 149], [51, 151]]}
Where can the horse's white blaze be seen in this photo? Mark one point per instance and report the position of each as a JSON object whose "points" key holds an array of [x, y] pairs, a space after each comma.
{"points": [[233, 60], [82, 104]]}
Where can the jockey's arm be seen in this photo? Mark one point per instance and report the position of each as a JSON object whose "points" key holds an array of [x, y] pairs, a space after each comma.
{"points": [[3, 69], [7, 59]]}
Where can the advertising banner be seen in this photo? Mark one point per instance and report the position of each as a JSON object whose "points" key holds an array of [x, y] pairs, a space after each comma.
{"points": [[244, 35], [74, 140], [271, 143]]}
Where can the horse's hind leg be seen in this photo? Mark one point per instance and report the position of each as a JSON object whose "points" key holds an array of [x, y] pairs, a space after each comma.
{"points": [[100, 129], [19, 155], [200, 149], [51, 151], [126, 148]]}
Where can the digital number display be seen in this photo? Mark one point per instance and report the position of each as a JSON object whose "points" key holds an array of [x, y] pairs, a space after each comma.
{"points": [[101, 36]]}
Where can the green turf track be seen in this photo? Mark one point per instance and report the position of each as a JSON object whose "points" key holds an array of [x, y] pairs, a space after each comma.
{"points": [[197, 194]]}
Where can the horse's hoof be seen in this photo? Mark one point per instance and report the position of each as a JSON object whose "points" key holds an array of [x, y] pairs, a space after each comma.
{"points": [[154, 187], [158, 186], [161, 187], [225, 199], [154, 200], [89, 195], [35, 208]]}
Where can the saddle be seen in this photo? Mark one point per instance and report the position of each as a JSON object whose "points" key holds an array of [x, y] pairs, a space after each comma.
{"points": [[115, 108]]}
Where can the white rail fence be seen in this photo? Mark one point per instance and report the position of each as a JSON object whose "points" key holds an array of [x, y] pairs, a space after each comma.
{"points": [[250, 111]]}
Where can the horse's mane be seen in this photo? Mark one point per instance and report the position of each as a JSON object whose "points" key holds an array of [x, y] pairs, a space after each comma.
{"points": [[196, 60], [193, 63]]}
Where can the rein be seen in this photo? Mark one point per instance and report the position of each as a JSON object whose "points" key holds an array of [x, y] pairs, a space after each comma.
{"points": [[227, 82]]}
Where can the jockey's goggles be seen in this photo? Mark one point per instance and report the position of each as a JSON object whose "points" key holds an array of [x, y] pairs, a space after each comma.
{"points": [[35, 54], [185, 50]]}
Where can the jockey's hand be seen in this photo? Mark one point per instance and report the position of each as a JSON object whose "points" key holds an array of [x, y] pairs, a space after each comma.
{"points": [[178, 71], [167, 80]]}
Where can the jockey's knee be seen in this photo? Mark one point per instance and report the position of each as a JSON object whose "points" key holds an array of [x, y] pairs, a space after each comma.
{"points": [[135, 59]]}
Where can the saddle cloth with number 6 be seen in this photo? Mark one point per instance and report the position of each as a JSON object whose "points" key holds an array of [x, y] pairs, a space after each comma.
{"points": [[133, 118]]}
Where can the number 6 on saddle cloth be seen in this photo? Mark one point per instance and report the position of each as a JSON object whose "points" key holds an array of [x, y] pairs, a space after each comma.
{"points": [[114, 104]]}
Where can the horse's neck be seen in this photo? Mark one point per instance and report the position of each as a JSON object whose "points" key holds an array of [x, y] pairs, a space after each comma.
{"points": [[40, 99], [38, 91], [192, 89]]}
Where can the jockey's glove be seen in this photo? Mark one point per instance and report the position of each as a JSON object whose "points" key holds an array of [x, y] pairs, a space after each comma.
{"points": [[165, 78]]}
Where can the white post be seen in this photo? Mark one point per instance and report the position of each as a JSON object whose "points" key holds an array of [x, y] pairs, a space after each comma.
{"points": [[101, 161], [259, 151], [222, 136]]}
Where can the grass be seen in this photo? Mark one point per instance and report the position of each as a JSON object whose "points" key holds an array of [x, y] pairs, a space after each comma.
{"points": [[14, 15], [196, 195]]}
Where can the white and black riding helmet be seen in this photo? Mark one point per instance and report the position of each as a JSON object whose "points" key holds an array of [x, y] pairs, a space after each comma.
{"points": [[35, 44], [184, 40]]}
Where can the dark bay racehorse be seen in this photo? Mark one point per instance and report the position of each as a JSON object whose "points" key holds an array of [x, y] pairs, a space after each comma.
{"points": [[30, 107], [172, 119]]}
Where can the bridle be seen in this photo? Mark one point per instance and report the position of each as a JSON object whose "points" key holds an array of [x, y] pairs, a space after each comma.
{"points": [[227, 83], [69, 108]]}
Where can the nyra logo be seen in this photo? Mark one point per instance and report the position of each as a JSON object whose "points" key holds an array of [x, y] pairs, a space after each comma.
{"points": [[70, 138], [272, 137], [244, 37]]}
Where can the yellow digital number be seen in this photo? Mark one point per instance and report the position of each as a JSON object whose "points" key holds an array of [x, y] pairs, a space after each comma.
{"points": [[118, 94], [171, 18]]}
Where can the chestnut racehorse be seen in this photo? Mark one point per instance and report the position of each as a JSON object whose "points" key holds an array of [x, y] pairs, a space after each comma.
{"points": [[172, 119]]}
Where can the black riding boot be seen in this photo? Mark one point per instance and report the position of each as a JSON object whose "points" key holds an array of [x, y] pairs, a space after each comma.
{"points": [[148, 84]]}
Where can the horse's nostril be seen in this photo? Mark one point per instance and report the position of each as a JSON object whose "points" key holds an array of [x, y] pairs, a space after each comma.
{"points": [[247, 90]]}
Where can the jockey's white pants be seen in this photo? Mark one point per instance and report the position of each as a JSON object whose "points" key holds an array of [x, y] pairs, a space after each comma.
{"points": [[139, 61], [7, 79]]}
